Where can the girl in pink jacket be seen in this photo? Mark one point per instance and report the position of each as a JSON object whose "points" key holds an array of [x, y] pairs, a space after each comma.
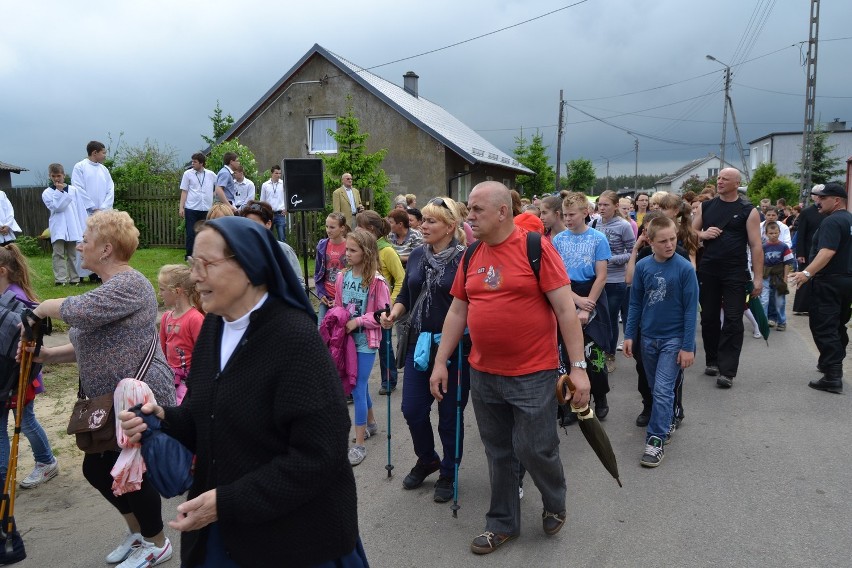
{"points": [[362, 291]]}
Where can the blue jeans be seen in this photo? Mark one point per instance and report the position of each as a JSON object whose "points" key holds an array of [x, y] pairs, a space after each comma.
{"points": [[516, 415], [659, 356], [361, 394], [615, 293], [34, 433], [767, 295], [417, 403], [191, 217], [279, 226], [383, 362]]}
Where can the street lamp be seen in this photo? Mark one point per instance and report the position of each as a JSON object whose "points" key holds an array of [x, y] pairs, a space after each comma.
{"points": [[636, 171], [725, 112]]}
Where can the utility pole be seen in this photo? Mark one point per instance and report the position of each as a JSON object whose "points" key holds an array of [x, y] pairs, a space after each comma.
{"points": [[739, 143], [725, 108], [607, 172], [810, 104], [559, 140], [636, 171]]}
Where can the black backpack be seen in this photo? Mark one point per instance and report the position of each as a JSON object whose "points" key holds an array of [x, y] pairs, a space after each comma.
{"points": [[11, 312]]}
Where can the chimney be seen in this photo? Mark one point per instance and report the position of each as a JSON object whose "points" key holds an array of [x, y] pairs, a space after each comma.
{"points": [[409, 83], [836, 126]]}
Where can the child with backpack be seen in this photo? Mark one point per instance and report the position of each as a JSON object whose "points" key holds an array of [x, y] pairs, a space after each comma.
{"points": [[777, 264], [181, 325], [362, 290], [15, 277], [664, 303], [331, 259]]}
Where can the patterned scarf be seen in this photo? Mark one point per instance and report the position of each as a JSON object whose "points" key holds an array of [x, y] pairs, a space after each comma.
{"points": [[433, 265]]}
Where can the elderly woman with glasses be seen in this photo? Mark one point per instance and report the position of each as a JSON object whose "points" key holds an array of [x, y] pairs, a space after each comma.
{"points": [[426, 299], [268, 425]]}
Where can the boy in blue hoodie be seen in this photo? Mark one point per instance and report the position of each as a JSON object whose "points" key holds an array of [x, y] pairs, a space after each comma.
{"points": [[664, 301]]}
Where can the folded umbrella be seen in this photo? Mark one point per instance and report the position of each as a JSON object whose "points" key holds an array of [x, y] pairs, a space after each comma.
{"points": [[753, 303], [590, 426]]}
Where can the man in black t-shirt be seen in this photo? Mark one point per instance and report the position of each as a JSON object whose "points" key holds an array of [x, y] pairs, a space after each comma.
{"points": [[830, 273], [728, 227]]}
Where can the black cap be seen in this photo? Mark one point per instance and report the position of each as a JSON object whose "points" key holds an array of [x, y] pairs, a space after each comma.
{"points": [[832, 189]]}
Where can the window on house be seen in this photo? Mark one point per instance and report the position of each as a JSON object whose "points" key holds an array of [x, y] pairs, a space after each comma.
{"points": [[754, 163], [712, 172], [464, 188], [766, 153], [319, 140]]}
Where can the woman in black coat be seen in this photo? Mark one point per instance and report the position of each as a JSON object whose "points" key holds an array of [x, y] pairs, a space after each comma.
{"points": [[264, 414]]}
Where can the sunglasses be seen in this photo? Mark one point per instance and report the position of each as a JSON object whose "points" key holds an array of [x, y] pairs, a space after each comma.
{"points": [[439, 201]]}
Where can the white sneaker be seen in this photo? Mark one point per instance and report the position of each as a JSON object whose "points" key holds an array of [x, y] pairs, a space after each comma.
{"points": [[41, 473], [357, 455], [147, 554], [756, 334], [620, 346], [521, 492], [124, 549]]}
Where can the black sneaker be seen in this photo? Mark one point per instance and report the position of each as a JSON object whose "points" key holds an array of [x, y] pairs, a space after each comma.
{"points": [[724, 382], [552, 522], [349, 399], [644, 417], [653, 452], [384, 390], [420, 472], [443, 489], [488, 542], [601, 407], [711, 370]]}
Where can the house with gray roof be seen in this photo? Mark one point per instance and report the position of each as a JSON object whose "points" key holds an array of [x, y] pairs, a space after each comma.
{"points": [[430, 151], [6, 171], [703, 168]]}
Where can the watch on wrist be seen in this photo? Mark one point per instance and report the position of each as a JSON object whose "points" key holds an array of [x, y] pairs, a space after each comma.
{"points": [[579, 364], [807, 274]]}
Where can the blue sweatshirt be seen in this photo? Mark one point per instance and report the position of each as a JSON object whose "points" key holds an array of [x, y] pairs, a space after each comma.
{"points": [[664, 298]]}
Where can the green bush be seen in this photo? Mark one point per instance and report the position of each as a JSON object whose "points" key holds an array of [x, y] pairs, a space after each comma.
{"points": [[30, 246]]}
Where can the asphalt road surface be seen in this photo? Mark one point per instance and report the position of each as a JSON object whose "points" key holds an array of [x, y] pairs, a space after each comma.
{"points": [[758, 475]]}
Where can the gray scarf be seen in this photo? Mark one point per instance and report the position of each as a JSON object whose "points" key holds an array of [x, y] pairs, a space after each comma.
{"points": [[433, 265]]}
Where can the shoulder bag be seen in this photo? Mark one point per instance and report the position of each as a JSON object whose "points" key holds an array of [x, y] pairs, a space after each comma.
{"points": [[93, 419]]}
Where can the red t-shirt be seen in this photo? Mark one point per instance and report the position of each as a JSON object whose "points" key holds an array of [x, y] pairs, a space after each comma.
{"points": [[335, 261], [177, 337], [512, 326]]}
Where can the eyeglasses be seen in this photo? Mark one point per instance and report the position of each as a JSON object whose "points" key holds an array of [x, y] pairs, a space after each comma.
{"points": [[439, 201], [201, 265]]}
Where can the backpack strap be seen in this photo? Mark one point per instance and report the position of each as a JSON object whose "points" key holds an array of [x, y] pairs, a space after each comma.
{"points": [[467, 254]]}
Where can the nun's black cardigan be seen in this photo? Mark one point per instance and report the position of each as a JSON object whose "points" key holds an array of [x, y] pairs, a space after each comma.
{"points": [[270, 433]]}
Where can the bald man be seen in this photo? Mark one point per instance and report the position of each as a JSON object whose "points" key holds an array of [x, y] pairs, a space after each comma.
{"points": [[727, 225], [511, 384], [347, 200]]}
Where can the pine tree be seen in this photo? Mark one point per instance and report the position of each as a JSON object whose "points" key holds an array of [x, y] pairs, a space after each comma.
{"points": [[824, 168], [534, 157], [580, 175], [353, 158], [221, 124]]}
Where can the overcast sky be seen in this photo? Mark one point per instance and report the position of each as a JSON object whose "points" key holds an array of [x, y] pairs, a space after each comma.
{"points": [[155, 69]]}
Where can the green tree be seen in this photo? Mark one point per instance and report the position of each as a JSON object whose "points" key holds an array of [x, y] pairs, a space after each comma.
{"points": [[781, 187], [352, 157], [534, 156], [622, 181], [824, 168], [764, 173], [580, 175], [221, 124]]}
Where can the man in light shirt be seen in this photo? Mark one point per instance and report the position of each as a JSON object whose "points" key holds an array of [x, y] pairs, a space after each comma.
{"points": [[272, 192], [196, 196], [95, 189], [243, 187], [225, 178], [347, 200]]}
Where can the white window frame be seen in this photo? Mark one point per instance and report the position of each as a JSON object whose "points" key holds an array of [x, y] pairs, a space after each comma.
{"points": [[754, 152], [767, 153], [310, 126]]}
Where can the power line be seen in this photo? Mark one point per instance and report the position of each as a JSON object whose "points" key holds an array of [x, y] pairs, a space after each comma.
{"points": [[790, 94]]}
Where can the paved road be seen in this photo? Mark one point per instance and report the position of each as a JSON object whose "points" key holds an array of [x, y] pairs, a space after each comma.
{"points": [[758, 475]]}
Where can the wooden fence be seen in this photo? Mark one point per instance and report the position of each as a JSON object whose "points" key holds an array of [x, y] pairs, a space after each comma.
{"points": [[155, 211]]}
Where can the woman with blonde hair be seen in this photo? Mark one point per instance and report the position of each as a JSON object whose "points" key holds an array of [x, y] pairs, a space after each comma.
{"points": [[111, 330], [426, 298]]}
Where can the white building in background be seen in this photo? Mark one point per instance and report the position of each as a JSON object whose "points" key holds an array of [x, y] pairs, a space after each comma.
{"points": [[784, 149], [702, 168]]}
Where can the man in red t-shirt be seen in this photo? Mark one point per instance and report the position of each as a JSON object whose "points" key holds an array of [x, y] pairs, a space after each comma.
{"points": [[512, 321]]}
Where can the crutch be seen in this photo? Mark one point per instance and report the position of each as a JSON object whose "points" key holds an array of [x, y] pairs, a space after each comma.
{"points": [[387, 338]]}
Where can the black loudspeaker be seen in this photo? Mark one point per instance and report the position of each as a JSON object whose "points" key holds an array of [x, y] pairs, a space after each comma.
{"points": [[303, 181]]}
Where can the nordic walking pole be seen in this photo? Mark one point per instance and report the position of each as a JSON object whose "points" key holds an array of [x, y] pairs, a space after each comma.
{"points": [[456, 506], [387, 338]]}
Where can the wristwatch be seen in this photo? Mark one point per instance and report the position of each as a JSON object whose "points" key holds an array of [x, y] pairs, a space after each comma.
{"points": [[579, 364], [807, 274]]}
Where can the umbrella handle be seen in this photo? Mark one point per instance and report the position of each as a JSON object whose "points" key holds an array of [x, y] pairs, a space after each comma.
{"points": [[565, 392]]}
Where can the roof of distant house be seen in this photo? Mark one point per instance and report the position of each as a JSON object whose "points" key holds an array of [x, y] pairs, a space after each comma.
{"points": [[4, 167], [793, 133], [423, 113], [690, 166]]}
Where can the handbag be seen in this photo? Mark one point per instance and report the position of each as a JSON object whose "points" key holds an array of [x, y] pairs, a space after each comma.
{"points": [[93, 419]]}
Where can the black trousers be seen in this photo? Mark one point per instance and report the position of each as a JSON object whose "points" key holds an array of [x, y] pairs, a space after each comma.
{"points": [[722, 342], [831, 296], [144, 504]]}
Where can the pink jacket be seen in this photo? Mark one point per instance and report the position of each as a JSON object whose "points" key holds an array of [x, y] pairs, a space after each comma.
{"points": [[341, 345], [377, 298]]}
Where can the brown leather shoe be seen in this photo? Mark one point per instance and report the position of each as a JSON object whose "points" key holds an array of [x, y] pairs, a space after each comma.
{"points": [[488, 542], [552, 522]]}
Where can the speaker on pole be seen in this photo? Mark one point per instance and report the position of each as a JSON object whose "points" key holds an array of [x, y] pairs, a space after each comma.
{"points": [[303, 180]]}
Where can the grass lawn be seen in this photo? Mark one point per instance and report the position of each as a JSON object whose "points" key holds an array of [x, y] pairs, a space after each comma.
{"points": [[147, 261]]}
